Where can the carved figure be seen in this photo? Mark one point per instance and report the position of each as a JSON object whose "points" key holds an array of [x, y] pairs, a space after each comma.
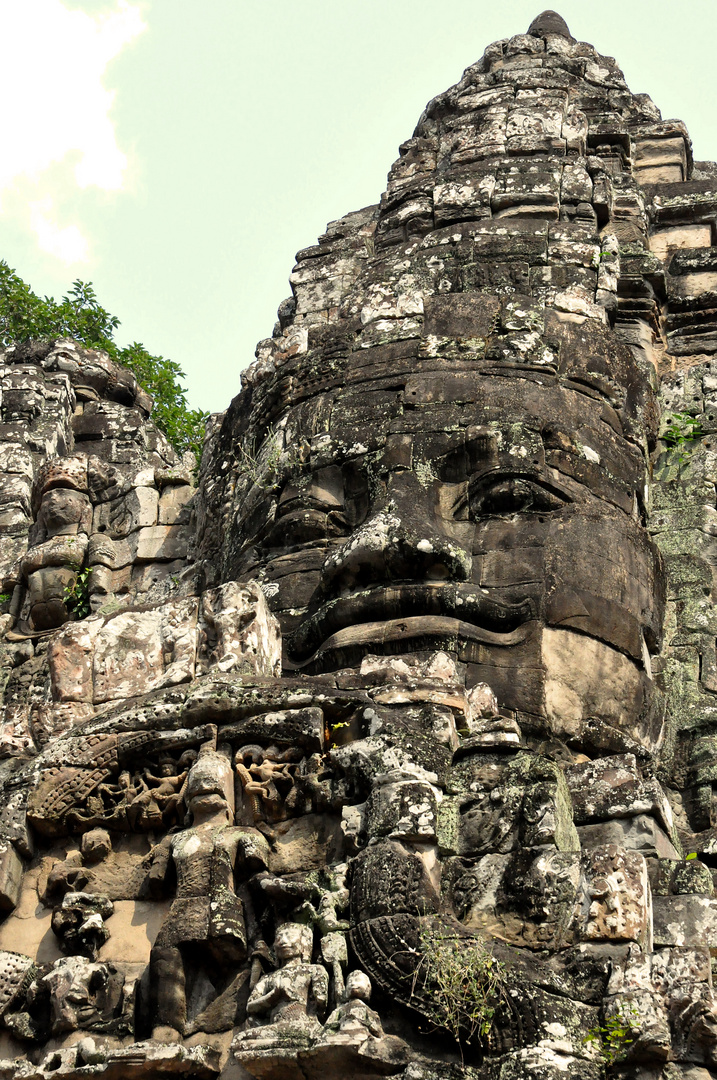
{"points": [[354, 1018], [79, 923], [353, 1039], [63, 522], [74, 874], [88, 997], [268, 778], [289, 1002], [108, 804], [314, 780], [160, 798], [207, 917]]}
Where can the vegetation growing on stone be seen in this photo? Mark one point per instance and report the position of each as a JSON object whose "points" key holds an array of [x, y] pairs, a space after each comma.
{"points": [[77, 595], [681, 433], [466, 983], [260, 465], [615, 1034], [25, 316]]}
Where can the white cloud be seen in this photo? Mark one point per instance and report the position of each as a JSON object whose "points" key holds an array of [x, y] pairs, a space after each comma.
{"points": [[56, 133], [66, 244]]}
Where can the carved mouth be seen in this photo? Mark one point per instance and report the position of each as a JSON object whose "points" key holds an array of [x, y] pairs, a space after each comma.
{"points": [[399, 613]]}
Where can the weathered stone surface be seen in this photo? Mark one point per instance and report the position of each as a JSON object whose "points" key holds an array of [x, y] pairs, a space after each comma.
{"points": [[239, 633], [141, 651], [11, 870], [70, 656], [161, 542], [111, 658], [173, 504], [685, 920], [120, 517], [415, 688]]}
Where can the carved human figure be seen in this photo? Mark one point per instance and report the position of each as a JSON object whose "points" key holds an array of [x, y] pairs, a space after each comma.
{"points": [[58, 543], [267, 777], [207, 918], [161, 797], [354, 1019], [108, 804], [291, 999], [79, 923], [87, 996], [74, 873]]}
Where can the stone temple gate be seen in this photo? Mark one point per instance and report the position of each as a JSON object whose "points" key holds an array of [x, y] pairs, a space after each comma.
{"points": [[388, 745]]}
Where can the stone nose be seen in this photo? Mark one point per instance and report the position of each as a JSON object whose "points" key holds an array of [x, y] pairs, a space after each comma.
{"points": [[402, 539]]}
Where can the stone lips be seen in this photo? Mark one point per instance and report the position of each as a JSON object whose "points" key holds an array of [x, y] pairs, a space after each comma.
{"points": [[338, 623]]}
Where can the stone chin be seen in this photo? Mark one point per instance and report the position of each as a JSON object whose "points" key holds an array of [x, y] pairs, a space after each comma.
{"points": [[208, 803], [595, 695]]}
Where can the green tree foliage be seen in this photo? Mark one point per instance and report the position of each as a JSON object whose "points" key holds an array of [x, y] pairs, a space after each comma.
{"points": [[24, 316]]}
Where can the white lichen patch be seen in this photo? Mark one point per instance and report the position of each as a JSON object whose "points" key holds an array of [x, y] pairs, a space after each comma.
{"points": [[588, 453]]}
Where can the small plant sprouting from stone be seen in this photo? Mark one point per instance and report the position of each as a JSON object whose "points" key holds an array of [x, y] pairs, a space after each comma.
{"points": [[466, 983], [339, 733], [681, 433], [77, 595], [262, 469], [5, 597], [615, 1034]]}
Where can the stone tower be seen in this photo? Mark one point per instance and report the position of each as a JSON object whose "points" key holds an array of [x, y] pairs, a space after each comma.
{"points": [[389, 747]]}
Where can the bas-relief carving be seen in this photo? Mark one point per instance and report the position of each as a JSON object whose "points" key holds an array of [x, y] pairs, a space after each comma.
{"points": [[206, 927], [429, 656]]}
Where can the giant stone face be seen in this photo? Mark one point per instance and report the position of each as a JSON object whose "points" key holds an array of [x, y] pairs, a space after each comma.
{"points": [[490, 505]]}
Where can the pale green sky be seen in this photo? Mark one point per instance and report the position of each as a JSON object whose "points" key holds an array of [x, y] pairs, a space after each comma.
{"points": [[247, 125]]}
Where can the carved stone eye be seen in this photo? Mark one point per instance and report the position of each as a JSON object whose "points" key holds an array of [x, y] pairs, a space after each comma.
{"points": [[513, 495]]}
